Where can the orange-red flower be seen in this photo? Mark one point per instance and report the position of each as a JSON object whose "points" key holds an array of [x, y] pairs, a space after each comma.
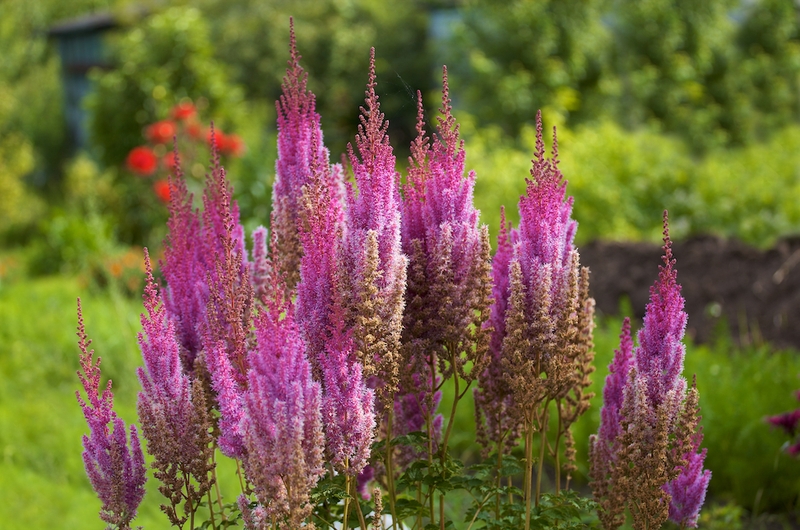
{"points": [[161, 132], [169, 160], [161, 187], [142, 161], [183, 111], [194, 129], [232, 145]]}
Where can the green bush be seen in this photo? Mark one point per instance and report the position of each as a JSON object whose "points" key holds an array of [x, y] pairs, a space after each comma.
{"points": [[167, 57], [622, 180]]}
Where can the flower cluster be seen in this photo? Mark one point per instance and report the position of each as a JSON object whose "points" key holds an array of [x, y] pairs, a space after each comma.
{"points": [[340, 327], [159, 158], [647, 455], [114, 465]]}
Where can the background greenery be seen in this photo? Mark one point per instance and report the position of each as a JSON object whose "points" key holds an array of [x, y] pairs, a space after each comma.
{"points": [[690, 106]]}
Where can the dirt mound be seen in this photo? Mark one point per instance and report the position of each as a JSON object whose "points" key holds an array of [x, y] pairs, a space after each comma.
{"points": [[756, 292]]}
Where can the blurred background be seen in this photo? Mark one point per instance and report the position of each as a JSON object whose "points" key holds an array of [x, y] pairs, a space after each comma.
{"points": [[682, 105]]}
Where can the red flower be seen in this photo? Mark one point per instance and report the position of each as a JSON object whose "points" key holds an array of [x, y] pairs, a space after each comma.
{"points": [[183, 111], [161, 187], [161, 132], [217, 138], [233, 145], [169, 160], [142, 161], [194, 130], [226, 144]]}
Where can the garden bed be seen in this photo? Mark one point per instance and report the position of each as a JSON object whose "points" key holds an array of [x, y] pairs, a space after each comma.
{"points": [[727, 285]]}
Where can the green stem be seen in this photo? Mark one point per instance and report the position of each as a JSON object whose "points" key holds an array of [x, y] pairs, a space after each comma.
{"points": [[556, 452], [347, 486], [211, 510], [540, 464], [361, 519], [528, 471], [390, 470], [441, 511]]}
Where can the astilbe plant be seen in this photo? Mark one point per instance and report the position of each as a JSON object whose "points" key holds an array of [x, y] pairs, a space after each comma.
{"points": [[114, 466], [543, 317], [299, 148], [646, 456], [449, 280], [318, 365]]}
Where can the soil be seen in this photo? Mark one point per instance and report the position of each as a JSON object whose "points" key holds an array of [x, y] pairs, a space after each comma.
{"points": [[755, 293]]}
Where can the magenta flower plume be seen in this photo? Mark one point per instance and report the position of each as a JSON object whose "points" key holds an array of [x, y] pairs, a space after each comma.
{"points": [[230, 399], [613, 391], [321, 237], [542, 314], [283, 423], [546, 229], [660, 355], [300, 146], [115, 469], [172, 411], [165, 397], [444, 241], [184, 269], [494, 400], [647, 455], [348, 407], [373, 265], [688, 491]]}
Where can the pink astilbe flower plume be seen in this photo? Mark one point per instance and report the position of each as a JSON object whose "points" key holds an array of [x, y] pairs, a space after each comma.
{"points": [[184, 269], [542, 316], [173, 411], [282, 426], [348, 407], [660, 355], [496, 424], [603, 446], [299, 147], [115, 469], [646, 456], [321, 234], [373, 265], [449, 254]]}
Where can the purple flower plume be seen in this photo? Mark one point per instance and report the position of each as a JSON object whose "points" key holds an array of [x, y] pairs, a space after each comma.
{"points": [[115, 469], [546, 229], [372, 263], [659, 357], [321, 236], [300, 147], [348, 407], [165, 385], [648, 411], [616, 381], [688, 491], [206, 268], [282, 426]]}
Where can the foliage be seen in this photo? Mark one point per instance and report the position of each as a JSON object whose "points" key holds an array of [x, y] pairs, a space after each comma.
{"points": [[530, 55], [18, 206], [715, 73], [618, 178], [251, 36], [165, 58]]}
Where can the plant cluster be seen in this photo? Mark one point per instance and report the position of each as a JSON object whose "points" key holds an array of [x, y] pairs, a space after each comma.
{"points": [[316, 360], [181, 133]]}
